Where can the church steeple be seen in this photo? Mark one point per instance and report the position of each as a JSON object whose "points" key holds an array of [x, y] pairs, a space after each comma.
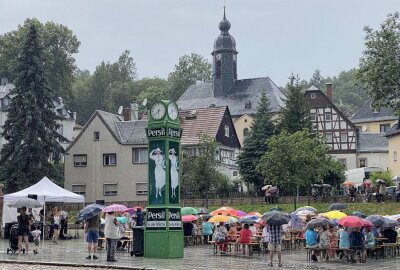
{"points": [[224, 59]]}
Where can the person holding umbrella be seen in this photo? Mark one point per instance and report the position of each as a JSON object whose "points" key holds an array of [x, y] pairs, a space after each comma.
{"points": [[24, 222], [275, 242], [90, 214]]}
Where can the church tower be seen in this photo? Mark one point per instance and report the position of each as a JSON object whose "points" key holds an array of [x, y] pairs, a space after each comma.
{"points": [[224, 60]]}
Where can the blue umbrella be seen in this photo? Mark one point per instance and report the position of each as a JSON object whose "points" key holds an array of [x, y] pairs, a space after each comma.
{"points": [[90, 211], [337, 206], [389, 223], [310, 208], [121, 220], [247, 221], [377, 220], [296, 222]]}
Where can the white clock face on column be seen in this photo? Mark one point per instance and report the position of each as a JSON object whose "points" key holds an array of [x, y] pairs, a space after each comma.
{"points": [[172, 111], [158, 110], [219, 56]]}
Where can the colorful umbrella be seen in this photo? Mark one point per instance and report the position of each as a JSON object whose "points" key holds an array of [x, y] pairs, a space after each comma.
{"points": [[219, 218], [226, 211], [304, 213], [189, 211], [335, 214], [247, 221], [240, 213], [253, 217], [367, 223], [348, 184], [266, 187], [337, 206], [114, 208], [351, 221], [367, 183], [122, 220], [133, 210], [189, 218]]}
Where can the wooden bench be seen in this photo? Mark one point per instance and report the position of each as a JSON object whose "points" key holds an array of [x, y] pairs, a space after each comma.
{"points": [[249, 247], [217, 246], [100, 242]]}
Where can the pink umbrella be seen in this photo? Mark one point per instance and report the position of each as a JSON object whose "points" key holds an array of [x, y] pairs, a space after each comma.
{"points": [[240, 213], [114, 208], [189, 218]]}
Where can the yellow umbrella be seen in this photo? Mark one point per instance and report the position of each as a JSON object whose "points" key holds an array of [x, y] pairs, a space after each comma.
{"points": [[219, 218], [335, 214]]}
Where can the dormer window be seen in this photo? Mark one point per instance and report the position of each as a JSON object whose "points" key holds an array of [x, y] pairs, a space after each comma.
{"points": [[248, 105], [96, 136]]}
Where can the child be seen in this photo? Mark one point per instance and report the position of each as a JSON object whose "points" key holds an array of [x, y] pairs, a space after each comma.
{"points": [[36, 238]]}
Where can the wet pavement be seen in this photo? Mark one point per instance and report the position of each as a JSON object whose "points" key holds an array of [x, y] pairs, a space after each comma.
{"points": [[69, 254]]}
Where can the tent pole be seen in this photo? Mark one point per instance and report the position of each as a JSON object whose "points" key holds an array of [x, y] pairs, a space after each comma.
{"points": [[44, 218]]}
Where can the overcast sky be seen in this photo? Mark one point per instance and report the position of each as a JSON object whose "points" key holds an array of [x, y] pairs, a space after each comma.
{"points": [[273, 37]]}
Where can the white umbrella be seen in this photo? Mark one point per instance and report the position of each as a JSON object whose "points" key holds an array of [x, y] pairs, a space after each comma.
{"points": [[25, 202], [266, 187]]}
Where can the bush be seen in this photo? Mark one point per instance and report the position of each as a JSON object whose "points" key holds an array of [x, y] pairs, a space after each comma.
{"points": [[385, 176]]}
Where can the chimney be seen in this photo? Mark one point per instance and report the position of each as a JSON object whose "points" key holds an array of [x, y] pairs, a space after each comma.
{"points": [[127, 114], [329, 91], [135, 111]]}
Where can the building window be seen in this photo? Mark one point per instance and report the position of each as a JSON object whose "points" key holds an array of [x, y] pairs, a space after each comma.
{"points": [[96, 136], [384, 127], [313, 95], [80, 160], [248, 105], [343, 137], [313, 117], [328, 117], [245, 120], [234, 70], [328, 137], [226, 131], [394, 155], [218, 69], [79, 189], [245, 132], [109, 159], [226, 156], [60, 130], [141, 189], [235, 173], [362, 162], [343, 161], [139, 155], [110, 189]]}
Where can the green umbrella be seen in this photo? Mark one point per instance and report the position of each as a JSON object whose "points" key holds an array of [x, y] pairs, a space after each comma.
{"points": [[188, 211]]}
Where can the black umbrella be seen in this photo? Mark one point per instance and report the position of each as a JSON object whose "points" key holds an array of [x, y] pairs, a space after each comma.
{"points": [[389, 223], [247, 221], [275, 217], [337, 206], [318, 222], [203, 211], [90, 211], [377, 220], [207, 216], [359, 214]]}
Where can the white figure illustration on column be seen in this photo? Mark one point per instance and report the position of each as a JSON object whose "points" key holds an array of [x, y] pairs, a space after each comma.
{"points": [[174, 171], [159, 172]]}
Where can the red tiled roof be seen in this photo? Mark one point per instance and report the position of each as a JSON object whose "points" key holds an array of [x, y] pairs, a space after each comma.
{"points": [[198, 121]]}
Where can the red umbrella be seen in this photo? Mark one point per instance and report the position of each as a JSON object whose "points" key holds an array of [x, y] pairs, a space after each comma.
{"points": [[351, 221], [367, 183], [189, 218], [114, 208], [367, 223]]}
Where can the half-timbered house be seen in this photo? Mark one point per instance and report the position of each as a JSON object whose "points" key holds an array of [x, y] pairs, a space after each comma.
{"points": [[328, 120]]}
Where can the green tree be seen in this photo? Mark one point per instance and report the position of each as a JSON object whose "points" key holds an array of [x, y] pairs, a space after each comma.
{"points": [[201, 174], [295, 161], [385, 176], [59, 43], [254, 146], [317, 80], [295, 116], [31, 128], [380, 63], [152, 89], [191, 69]]}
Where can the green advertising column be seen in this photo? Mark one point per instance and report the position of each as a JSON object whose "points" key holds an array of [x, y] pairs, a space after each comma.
{"points": [[163, 236]]}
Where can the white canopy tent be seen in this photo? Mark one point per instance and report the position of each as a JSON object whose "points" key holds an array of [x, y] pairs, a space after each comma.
{"points": [[46, 191]]}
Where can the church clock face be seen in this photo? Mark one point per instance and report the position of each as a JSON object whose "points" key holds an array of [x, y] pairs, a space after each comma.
{"points": [[172, 111], [219, 56], [158, 110]]}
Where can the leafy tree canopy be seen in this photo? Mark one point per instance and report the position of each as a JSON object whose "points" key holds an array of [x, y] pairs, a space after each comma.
{"points": [[296, 161], [59, 43], [191, 69], [380, 63]]}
